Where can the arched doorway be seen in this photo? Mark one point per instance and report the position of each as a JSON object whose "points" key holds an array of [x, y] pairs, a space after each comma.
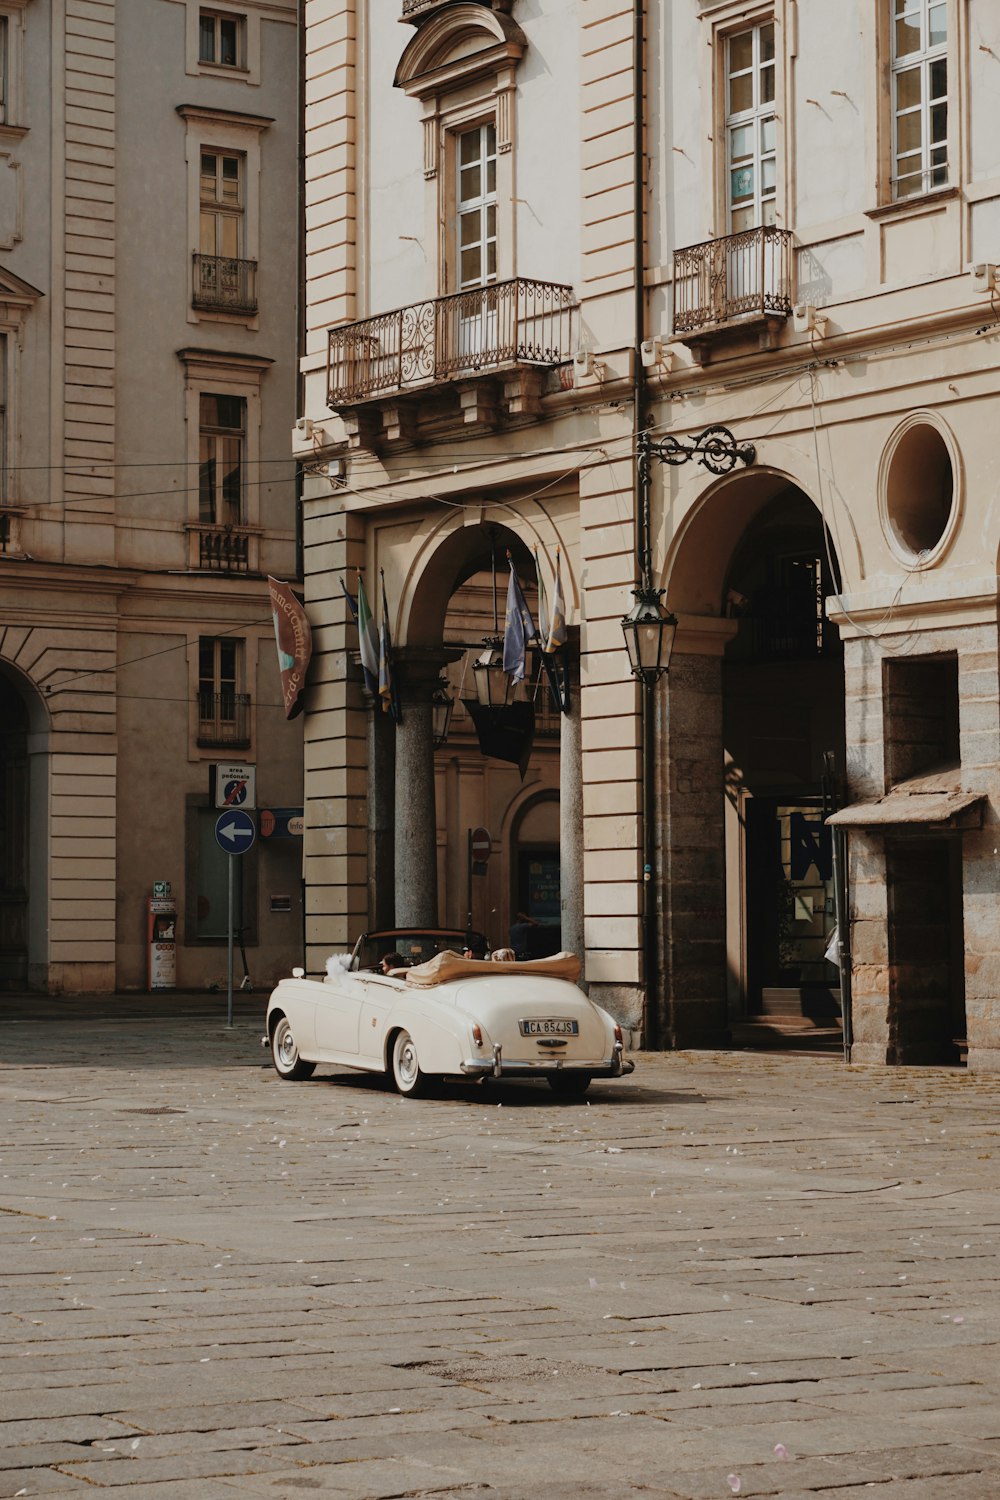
{"points": [[783, 737], [535, 900], [753, 701], [14, 841]]}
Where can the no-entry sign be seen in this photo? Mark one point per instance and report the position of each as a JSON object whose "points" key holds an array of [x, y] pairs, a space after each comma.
{"points": [[481, 845]]}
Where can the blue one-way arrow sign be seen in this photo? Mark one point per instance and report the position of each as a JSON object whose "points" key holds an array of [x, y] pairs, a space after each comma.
{"points": [[235, 831]]}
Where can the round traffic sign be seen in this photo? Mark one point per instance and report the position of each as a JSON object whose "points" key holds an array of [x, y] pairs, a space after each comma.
{"points": [[234, 792], [482, 844], [235, 831]]}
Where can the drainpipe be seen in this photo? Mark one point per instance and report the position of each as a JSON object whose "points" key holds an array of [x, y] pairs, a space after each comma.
{"points": [[643, 541]]}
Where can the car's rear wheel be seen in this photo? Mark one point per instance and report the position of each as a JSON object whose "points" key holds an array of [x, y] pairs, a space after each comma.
{"points": [[285, 1052], [569, 1085], [406, 1074]]}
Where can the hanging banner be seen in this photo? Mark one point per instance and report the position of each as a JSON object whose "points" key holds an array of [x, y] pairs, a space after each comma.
{"points": [[506, 732], [293, 637]]}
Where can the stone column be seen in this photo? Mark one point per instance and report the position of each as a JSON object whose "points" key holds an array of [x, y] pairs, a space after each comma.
{"points": [[418, 669], [381, 817], [693, 870], [571, 814]]}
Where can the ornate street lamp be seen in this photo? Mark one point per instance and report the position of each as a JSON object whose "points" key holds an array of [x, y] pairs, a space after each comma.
{"points": [[649, 632], [492, 683], [442, 708]]}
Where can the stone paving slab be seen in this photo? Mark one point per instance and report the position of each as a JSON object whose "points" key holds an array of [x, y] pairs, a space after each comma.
{"points": [[277, 1289]]}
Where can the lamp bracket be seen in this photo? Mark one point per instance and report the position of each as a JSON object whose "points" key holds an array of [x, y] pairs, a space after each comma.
{"points": [[716, 449]]}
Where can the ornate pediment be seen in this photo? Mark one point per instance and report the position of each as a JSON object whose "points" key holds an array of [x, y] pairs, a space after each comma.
{"points": [[456, 44], [14, 290], [416, 11]]}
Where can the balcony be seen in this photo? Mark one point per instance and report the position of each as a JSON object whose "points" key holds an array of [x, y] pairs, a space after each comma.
{"points": [[508, 325], [223, 549], [732, 284], [223, 284], [223, 720]]}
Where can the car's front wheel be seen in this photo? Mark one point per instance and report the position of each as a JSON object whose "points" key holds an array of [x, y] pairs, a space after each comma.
{"points": [[285, 1052], [569, 1085], [406, 1074]]}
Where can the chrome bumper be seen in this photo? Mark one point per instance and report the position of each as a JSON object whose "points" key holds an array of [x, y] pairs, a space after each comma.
{"points": [[615, 1066]]}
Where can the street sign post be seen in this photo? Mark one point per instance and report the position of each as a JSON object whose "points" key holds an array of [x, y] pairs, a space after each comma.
{"points": [[480, 846], [235, 786], [235, 833]]}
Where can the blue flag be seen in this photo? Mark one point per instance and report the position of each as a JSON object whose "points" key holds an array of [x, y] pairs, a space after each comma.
{"points": [[519, 628]]}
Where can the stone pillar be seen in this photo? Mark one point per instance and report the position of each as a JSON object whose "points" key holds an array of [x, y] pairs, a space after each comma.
{"points": [[381, 818], [418, 669], [571, 814], [693, 871]]}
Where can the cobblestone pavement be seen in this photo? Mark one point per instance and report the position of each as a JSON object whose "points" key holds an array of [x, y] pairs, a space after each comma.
{"points": [[736, 1273]]}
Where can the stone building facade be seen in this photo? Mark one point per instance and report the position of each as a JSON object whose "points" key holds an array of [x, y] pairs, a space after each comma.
{"points": [[148, 267], [541, 240]]}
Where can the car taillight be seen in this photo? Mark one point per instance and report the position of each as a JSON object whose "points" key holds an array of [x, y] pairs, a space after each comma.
{"points": [[477, 1034], [618, 1035]]}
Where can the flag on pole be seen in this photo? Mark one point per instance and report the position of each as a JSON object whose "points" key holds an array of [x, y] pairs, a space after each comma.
{"points": [[368, 639], [543, 607], [555, 636], [519, 628], [386, 680], [293, 638]]}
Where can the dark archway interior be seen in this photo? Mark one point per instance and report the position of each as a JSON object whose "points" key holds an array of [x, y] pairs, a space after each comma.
{"points": [[783, 710], [13, 837], [462, 557]]}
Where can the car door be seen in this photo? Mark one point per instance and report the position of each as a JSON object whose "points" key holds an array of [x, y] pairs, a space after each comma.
{"points": [[338, 1012]]}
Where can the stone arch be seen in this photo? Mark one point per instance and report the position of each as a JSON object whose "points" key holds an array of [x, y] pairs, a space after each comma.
{"points": [[700, 555], [452, 551], [755, 697]]}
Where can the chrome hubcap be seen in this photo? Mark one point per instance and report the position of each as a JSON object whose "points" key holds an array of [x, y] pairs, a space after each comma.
{"points": [[285, 1045], [406, 1061]]}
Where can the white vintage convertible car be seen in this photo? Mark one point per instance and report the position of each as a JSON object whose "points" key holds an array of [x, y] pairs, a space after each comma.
{"points": [[448, 1017]]}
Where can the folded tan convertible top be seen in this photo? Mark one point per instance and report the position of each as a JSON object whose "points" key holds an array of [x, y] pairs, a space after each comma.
{"points": [[447, 966]]}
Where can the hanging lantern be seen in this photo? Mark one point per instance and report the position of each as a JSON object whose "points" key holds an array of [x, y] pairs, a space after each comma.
{"points": [[493, 688], [649, 635]]}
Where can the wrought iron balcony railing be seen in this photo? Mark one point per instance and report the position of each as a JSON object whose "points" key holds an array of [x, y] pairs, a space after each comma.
{"points": [[507, 323], [223, 718], [223, 284], [733, 279], [223, 549]]}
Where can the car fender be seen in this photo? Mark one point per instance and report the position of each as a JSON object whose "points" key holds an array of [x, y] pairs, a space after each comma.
{"points": [[439, 1034]]}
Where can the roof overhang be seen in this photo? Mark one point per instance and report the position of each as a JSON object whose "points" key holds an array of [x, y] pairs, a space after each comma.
{"points": [[930, 804]]}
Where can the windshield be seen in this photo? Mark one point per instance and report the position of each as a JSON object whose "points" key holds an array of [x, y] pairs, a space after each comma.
{"points": [[414, 946]]}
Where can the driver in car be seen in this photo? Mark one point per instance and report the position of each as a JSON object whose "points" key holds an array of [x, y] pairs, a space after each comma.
{"points": [[393, 964]]}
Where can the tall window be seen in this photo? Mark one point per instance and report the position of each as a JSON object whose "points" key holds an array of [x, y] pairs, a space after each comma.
{"points": [[477, 206], [750, 127], [919, 96], [223, 709], [222, 446], [222, 201], [220, 39]]}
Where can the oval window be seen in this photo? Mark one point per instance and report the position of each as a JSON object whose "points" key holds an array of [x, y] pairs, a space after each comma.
{"points": [[919, 493]]}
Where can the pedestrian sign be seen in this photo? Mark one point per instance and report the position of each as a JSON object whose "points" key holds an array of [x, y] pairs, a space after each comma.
{"points": [[235, 786]]}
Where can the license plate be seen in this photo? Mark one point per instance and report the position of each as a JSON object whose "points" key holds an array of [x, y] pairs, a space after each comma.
{"points": [[549, 1028]]}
